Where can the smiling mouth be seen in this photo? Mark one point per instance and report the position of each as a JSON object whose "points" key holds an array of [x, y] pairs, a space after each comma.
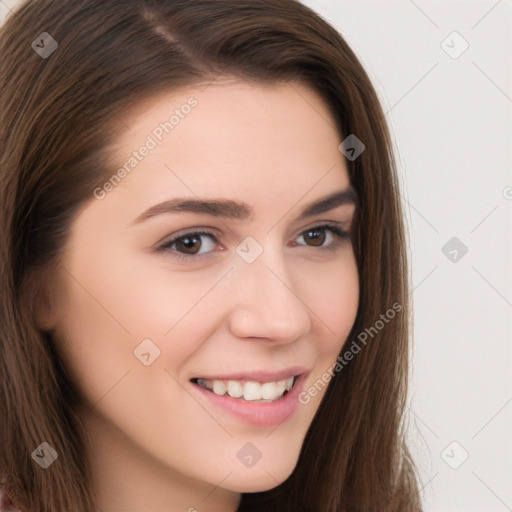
{"points": [[250, 391]]}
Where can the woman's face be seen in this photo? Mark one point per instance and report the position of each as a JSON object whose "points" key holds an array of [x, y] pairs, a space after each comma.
{"points": [[143, 304]]}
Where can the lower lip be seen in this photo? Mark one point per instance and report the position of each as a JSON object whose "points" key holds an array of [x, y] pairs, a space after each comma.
{"points": [[261, 414]]}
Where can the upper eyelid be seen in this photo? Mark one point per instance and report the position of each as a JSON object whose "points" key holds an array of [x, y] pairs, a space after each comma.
{"points": [[215, 231]]}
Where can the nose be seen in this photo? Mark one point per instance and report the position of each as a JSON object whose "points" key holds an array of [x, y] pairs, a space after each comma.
{"points": [[266, 300]]}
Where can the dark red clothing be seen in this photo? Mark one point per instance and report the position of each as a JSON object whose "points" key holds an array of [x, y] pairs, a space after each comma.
{"points": [[5, 502]]}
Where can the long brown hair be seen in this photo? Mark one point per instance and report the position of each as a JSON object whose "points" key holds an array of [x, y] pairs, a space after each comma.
{"points": [[61, 111]]}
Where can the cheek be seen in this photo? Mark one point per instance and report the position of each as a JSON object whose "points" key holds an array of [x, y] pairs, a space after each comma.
{"points": [[105, 309], [111, 305], [142, 296], [332, 298]]}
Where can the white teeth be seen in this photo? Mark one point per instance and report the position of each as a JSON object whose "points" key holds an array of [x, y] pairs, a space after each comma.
{"points": [[235, 389], [219, 387], [251, 390], [269, 391]]}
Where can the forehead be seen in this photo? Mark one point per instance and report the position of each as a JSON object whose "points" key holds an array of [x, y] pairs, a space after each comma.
{"points": [[236, 115], [227, 137]]}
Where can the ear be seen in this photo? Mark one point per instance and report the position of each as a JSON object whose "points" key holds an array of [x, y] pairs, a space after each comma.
{"points": [[42, 299]]}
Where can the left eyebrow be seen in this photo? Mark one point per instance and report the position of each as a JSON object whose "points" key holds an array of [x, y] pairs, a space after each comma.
{"points": [[240, 210], [347, 196]]}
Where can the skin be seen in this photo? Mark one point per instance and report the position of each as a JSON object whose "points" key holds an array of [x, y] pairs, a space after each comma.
{"points": [[154, 443]]}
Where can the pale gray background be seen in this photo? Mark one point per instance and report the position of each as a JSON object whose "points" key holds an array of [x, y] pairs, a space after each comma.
{"points": [[451, 120]]}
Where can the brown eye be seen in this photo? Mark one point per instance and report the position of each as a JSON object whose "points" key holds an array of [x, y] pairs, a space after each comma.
{"points": [[189, 244], [325, 236], [315, 236]]}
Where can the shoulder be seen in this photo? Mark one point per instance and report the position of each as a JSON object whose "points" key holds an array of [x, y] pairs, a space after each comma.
{"points": [[5, 502]]}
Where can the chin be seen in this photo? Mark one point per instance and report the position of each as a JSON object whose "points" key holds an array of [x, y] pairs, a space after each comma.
{"points": [[259, 479]]}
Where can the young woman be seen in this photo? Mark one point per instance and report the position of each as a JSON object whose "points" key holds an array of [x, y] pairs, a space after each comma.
{"points": [[204, 281]]}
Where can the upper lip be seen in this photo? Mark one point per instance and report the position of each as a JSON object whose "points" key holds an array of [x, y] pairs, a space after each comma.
{"points": [[258, 375]]}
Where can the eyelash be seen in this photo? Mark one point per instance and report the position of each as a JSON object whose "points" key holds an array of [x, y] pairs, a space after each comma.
{"points": [[341, 234]]}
